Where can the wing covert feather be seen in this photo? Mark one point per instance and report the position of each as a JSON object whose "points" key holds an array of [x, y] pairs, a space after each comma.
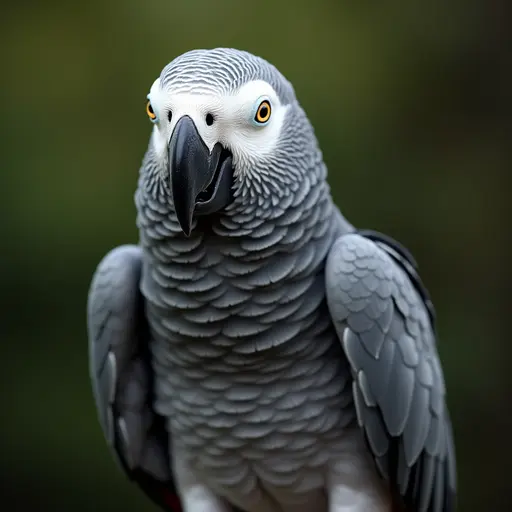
{"points": [[122, 378], [385, 321]]}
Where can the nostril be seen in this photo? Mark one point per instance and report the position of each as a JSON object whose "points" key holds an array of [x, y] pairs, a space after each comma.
{"points": [[209, 119]]}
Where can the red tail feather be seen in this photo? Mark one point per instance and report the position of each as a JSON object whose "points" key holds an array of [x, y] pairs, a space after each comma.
{"points": [[173, 502]]}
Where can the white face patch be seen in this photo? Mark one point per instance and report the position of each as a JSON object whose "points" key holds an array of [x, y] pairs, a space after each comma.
{"points": [[234, 124]]}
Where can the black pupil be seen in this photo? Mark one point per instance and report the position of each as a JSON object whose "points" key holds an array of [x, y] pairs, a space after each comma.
{"points": [[263, 111], [150, 108], [209, 119]]}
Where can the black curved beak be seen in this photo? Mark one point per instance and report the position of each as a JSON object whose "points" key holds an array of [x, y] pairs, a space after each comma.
{"points": [[201, 180]]}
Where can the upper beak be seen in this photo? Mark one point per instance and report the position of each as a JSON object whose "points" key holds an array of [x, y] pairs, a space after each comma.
{"points": [[192, 168]]}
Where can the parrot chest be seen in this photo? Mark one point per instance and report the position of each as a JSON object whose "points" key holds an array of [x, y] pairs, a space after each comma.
{"points": [[253, 383], [269, 426], [249, 372], [256, 371]]}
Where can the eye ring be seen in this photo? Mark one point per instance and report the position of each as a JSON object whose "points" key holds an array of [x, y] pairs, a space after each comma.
{"points": [[263, 112], [150, 112]]}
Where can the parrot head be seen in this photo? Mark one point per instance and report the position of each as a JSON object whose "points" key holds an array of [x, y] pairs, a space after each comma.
{"points": [[226, 124]]}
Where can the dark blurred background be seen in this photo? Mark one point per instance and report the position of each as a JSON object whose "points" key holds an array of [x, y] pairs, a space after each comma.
{"points": [[412, 106]]}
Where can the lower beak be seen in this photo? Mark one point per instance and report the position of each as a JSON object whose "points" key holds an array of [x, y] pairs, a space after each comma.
{"points": [[193, 170]]}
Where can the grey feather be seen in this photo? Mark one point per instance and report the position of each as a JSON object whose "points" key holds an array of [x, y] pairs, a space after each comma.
{"points": [[120, 372], [399, 389], [222, 71]]}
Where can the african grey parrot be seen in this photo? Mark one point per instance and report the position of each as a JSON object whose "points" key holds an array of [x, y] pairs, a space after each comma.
{"points": [[255, 351]]}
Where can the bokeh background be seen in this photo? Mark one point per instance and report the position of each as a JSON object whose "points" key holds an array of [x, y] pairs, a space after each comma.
{"points": [[412, 106]]}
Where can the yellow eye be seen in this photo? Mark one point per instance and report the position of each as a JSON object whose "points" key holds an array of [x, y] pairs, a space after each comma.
{"points": [[150, 112], [263, 112]]}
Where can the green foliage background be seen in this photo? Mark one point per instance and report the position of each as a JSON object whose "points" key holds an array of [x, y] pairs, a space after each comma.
{"points": [[412, 106]]}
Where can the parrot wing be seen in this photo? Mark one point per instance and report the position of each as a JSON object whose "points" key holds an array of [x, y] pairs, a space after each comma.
{"points": [[385, 322], [122, 379]]}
